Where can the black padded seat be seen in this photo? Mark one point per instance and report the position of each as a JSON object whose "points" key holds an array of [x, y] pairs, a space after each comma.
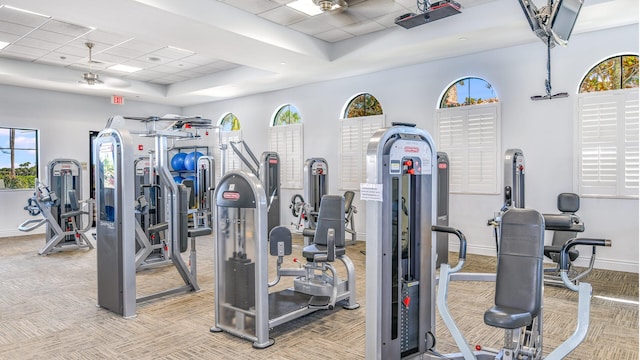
{"points": [[519, 276], [553, 253], [507, 317], [330, 216]]}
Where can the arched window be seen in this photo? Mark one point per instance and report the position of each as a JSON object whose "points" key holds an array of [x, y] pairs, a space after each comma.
{"points": [[287, 115], [363, 104], [607, 129], [618, 72], [230, 122], [229, 131], [285, 138], [468, 91], [468, 130], [362, 116]]}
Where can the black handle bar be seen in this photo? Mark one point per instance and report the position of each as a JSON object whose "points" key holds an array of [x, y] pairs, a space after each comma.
{"points": [[564, 251], [456, 232]]}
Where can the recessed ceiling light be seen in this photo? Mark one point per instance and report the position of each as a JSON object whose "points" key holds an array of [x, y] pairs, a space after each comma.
{"points": [[305, 6], [124, 68], [153, 58], [3, 44]]}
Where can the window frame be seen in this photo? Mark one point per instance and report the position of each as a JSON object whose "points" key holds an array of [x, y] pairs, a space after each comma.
{"points": [[37, 157]]}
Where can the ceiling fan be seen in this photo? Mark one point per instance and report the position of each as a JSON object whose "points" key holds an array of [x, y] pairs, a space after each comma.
{"points": [[329, 5], [90, 78]]}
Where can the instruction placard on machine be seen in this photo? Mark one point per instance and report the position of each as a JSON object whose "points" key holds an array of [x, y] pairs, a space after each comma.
{"points": [[371, 192]]}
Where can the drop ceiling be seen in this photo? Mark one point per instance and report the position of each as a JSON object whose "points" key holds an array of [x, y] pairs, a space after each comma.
{"points": [[195, 51]]}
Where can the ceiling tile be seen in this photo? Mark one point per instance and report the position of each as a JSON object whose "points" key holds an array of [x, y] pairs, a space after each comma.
{"points": [[198, 59], [66, 28], [340, 18], [50, 36], [333, 35], [123, 52], [21, 17], [139, 64], [146, 75], [59, 57], [165, 69], [26, 50], [73, 50], [389, 19], [38, 44], [107, 58], [171, 53], [409, 4], [140, 45], [15, 29], [374, 8], [283, 15], [311, 26], [364, 27], [105, 37], [6, 37], [252, 6], [180, 65]]}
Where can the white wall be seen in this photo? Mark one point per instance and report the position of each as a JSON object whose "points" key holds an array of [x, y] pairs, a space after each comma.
{"points": [[544, 129], [64, 121]]}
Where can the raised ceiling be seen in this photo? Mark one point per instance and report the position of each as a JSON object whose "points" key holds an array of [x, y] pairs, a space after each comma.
{"points": [[195, 51]]}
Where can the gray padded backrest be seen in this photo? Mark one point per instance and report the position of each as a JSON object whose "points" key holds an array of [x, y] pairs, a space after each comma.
{"points": [[330, 216], [520, 274], [73, 200], [348, 200], [568, 202]]}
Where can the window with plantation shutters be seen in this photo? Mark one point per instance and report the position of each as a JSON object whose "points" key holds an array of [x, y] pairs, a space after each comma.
{"points": [[471, 138], [233, 162], [607, 143], [286, 140], [355, 133]]}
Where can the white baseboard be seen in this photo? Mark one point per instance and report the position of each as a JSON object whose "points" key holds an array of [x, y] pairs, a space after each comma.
{"points": [[16, 232], [600, 263]]}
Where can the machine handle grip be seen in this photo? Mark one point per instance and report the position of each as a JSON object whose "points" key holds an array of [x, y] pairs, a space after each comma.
{"points": [[564, 251], [456, 232]]}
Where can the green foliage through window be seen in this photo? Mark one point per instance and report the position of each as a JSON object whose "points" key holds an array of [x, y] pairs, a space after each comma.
{"points": [[468, 91], [18, 158], [364, 104], [618, 72], [287, 115], [230, 123]]}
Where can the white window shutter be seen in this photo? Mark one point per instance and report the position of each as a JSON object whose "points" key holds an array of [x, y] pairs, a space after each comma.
{"points": [[470, 136], [607, 138], [233, 161], [355, 134], [286, 140]]}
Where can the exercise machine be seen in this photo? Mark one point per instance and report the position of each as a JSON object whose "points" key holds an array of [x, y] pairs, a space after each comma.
{"points": [[513, 195], [244, 305], [267, 170], [442, 239], [116, 223], [305, 207], [151, 248], [61, 211], [514, 178], [401, 296], [206, 185], [565, 226]]}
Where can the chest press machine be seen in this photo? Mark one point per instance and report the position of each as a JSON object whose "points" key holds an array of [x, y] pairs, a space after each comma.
{"points": [[401, 296]]}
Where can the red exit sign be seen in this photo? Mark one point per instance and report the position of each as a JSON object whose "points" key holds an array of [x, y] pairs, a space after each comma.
{"points": [[117, 99]]}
